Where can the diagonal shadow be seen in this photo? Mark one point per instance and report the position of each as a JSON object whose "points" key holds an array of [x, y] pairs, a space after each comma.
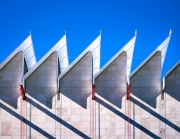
{"points": [[155, 114], [75, 130], [26, 121], [126, 118]]}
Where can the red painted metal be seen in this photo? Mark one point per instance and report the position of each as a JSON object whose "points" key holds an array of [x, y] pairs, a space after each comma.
{"points": [[93, 112], [129, 111], [128, 92], [21, 120], [93, 92], [92, 115], [22, 92], [22, 110]]}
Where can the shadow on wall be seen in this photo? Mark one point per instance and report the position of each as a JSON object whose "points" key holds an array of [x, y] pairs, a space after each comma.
{"points": [[77, 83], [26, 121], [175, 127], [32, 125], [134, 123], [59, 120]]}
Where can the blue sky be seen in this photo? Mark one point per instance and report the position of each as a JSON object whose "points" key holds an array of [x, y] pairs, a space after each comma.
{"points": [[83, 20]]}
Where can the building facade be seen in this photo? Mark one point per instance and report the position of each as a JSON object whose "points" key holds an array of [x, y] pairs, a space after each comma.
{"points": [[52, 99]]}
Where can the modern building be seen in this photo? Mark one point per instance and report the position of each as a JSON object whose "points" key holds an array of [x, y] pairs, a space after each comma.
{"points": [[52, 99]]}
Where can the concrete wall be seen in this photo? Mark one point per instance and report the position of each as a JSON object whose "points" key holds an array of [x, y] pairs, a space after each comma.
{"points": [[110, 88], [172, 103], [11, 102], [75, 97], [41, 87], [145, 88], [147, 81], [75, 115]]}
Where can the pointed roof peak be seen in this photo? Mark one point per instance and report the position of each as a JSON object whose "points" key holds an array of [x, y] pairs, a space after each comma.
{"points": [[165, 42], [170, 32], [94, 47], [162, 47], [135, 33], [169, 72], [27, 48], [61, 48], [129, 48]]}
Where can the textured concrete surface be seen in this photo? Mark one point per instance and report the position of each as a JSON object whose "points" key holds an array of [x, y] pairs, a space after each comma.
{"points": [[110, 88], [147, 81], [75, 115], [10, 78], [41, 87], [112, 84], [146, 90], [75, 90], [42, 84], [172, 102]]}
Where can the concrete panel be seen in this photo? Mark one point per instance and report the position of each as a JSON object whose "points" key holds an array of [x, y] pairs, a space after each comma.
{"points": [[148, 77], [75, 92], [172, 102], [112, 79], [40, 79], [10, 78], [41, 87], [110, 88]]}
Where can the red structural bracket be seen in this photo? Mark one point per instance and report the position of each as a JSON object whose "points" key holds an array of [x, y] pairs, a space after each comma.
{"points": [[128, 92], [22, 92], [93, 92]]}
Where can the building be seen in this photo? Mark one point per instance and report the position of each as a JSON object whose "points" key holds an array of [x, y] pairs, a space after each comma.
{"points": [[52, 99]]}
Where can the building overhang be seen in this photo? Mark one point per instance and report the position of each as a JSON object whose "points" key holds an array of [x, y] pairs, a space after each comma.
{"points": [[162, 47], [28, 50], [94, 47], [61, 48], [129, 48]]}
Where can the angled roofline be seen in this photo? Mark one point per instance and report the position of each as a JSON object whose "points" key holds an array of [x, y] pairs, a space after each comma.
{"points": [[53, 49], [126, 47], [79, 57], [159, 48], [177, 64], [22, 48]]}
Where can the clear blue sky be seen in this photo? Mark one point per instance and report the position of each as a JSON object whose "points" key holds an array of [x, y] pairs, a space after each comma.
{"points": [[83, 20]]}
